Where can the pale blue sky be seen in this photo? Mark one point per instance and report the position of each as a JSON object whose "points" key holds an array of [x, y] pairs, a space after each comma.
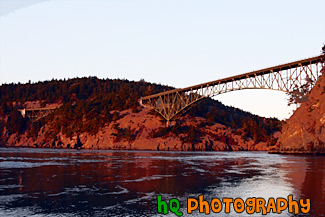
{"points": [[174, 42]]}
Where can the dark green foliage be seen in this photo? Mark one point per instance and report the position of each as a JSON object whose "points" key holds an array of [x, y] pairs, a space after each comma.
{"points": [[114, 94], [78, 144], [4, 108], [123, 133], [34, 129], [88, 104], [16, 123], [193, 135], [2, 125], [300, 94], [171, 130], [253, 126]]}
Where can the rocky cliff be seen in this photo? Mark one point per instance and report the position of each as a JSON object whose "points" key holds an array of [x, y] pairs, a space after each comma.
{"points": [[304, 132], [142, 131]]}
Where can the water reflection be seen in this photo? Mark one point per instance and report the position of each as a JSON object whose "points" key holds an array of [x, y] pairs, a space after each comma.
{"points": [[313, 185], [126, 183]]}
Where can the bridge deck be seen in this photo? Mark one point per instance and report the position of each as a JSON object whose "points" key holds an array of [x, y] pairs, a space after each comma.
{"points": [[286, 66], [41, 109]]}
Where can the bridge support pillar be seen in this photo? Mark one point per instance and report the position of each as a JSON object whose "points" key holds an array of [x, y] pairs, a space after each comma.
{"points": [[168, 123]]}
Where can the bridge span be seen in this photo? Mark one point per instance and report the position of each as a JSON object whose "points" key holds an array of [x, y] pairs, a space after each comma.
{"points": [[35, 114], [285, 77]]}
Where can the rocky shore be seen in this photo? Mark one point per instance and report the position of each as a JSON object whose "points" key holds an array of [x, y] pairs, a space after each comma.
{"points": [[304, 132], [142, 124]]}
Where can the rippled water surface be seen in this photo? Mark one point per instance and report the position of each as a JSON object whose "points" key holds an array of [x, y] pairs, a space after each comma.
{"points": [[52, 182]]}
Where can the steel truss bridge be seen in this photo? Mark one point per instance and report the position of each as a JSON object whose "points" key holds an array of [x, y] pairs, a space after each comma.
{"points": [[285, 77], [36, 113]]}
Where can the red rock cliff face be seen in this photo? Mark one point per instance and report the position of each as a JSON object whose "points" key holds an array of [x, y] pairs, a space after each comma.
{"points": [[304, 132], [216, 137]]}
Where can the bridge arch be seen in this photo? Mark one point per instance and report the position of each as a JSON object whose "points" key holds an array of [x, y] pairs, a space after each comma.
{"points": [[283, 78]]}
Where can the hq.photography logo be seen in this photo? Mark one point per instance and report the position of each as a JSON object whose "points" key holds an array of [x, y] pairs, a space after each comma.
{"points": [[250, 205]]}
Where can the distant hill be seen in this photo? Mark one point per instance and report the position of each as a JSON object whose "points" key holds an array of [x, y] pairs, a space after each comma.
{"points": [[104, 113]]}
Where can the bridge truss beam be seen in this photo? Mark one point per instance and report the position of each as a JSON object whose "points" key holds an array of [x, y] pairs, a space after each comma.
{"points": [[36, 114], [284, 77]]}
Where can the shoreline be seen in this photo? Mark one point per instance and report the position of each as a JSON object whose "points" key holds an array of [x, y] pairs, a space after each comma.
{"points": [[134, 149], [296, 153]]}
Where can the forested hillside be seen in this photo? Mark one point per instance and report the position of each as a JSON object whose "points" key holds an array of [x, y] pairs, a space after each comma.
{"points": [[87, 105]]}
